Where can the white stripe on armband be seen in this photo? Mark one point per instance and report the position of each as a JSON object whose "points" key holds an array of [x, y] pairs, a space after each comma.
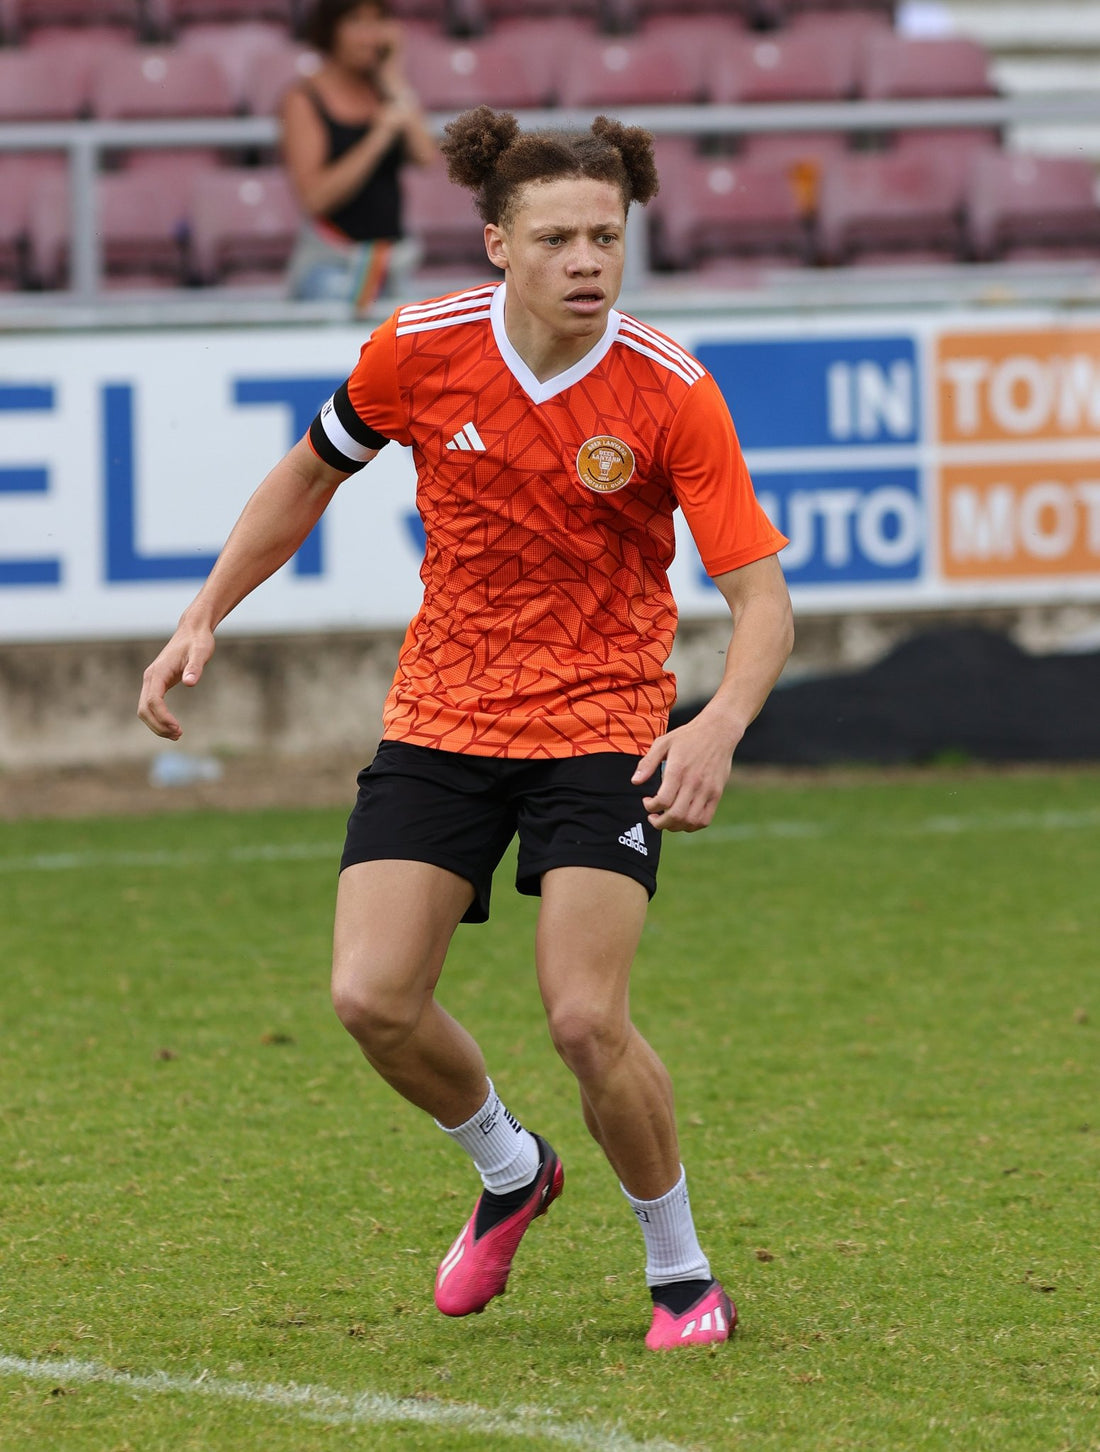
{"points": [[340, 439]]}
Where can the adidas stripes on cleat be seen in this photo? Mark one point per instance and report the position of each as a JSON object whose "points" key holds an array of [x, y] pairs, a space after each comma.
{"points": [[709, 1319], [476, 1267]]}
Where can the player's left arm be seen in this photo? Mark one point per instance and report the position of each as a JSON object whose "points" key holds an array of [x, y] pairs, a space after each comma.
{"points": [[698, 756]]}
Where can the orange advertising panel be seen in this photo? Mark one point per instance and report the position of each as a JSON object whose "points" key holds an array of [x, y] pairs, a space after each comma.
{"points": [[1006, 387], [1003, 521]]}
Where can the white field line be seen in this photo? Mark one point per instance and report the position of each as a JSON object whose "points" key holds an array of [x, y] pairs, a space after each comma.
{"points": [[363, 1409], [939, 826]]}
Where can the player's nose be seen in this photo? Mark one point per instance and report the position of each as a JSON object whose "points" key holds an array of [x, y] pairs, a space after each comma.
{"points": [[586, 259]]}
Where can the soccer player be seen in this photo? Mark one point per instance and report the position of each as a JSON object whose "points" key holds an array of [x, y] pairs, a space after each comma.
{"points": [[553, 438]]}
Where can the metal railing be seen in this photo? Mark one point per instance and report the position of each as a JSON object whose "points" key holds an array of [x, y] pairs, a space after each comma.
{"points": [[86, 141]]}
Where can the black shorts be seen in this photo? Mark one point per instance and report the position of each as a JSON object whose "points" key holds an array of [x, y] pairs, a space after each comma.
{"points": [[460, 812]]}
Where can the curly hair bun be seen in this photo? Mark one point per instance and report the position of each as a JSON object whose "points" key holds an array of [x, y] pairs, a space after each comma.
{"points": [[474, 143], [635, 145]]}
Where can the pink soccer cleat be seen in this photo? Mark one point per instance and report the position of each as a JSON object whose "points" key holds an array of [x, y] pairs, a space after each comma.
{"points": [[707, 1320], [476, 1267]]}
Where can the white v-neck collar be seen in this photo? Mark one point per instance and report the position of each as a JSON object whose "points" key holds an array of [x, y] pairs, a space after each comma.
{"points": [[540, 392]]}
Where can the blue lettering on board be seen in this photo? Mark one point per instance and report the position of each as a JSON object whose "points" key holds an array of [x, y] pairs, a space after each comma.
{"points": [[27, 479]]}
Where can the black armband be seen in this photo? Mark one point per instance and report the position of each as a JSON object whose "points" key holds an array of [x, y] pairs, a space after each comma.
{"points": [[340, 437]]}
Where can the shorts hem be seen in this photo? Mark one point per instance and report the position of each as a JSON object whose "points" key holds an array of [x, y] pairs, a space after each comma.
{"points": [[477, 912], [529, 881]]}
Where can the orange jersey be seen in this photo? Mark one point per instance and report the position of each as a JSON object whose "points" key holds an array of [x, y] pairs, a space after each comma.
{"points": [[548, 509]]}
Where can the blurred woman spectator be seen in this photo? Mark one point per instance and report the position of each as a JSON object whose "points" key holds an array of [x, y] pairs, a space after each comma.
{"points": [[347, 131]]}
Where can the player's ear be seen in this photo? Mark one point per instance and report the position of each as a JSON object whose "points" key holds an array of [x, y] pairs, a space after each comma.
{"points": [[495, 245]]}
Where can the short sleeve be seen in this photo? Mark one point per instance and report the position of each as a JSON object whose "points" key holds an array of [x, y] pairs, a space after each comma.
{"points": [[366, 411], [711, 481]]}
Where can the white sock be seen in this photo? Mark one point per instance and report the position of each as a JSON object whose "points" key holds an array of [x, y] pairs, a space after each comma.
{"points": [[504, 1153], [672, 1251]]}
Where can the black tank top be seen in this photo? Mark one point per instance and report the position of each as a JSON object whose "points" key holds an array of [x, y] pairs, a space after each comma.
{"points": [[374, 213]]}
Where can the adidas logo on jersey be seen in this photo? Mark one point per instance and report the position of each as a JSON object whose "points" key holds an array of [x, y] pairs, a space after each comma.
{"points": [[467, 438], [635, 837]]}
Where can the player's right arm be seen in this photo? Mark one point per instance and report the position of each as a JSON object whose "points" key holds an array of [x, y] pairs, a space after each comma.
{"points": [[274, 522]]}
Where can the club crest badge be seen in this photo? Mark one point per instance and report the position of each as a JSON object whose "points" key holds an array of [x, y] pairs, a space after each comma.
{"points": [[605, 464]]}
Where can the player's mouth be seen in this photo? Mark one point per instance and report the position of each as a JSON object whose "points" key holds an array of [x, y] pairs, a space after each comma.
{"points": [[585, 300]]}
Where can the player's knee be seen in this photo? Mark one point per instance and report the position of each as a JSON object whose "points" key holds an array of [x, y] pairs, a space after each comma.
{"points": [[380, 1022], [588, 1040]]}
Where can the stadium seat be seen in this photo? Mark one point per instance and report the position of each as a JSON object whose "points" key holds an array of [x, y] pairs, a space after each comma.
{"points": [[476, 16], [37, 86], [894, 67], [950, 151], [28, 15], [785, 12], [626, 71], [778, 67], [239, 49], [268, 77], [801, 156], [171, 15], [709, 209], [881, 207], [505, 68], [75, 52], [442, 218], [159, 82], [48, 232], [740, 11], [841, 34], [1020, 206], [20, 175], [244, 223], [141, 228], [695, 38], [138, 224]]}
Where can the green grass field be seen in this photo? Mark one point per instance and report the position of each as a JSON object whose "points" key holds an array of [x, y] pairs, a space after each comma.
{"points": [[879, 1001]]}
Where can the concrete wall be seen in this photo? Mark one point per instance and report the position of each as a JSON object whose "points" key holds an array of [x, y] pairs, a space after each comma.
{"points": [[70, 705]]}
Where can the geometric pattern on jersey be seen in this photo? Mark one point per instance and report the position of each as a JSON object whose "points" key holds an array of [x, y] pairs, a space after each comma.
{"points": [[547, 616]]}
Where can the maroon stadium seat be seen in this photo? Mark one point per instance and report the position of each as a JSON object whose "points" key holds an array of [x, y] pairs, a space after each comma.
{"points": [[138, 223], [723, 209], [442, 218], [269, 76], [480, 15], [779, 67], [37, 86], [948, 150], [695, 38], [125, 14], [881, 207], [625, 70], [504, 68], [244, 222], [741, 11], [801, 156], [48, 232], [239, 49], [160, 82], [1032, 206], [894, 67], [785, 12], [172, 14], [842, 35], [793, 148], [20, 175], [75, 52]]}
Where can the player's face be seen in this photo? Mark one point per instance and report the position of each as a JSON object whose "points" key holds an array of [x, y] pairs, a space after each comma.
{"points": [[563, 257]]}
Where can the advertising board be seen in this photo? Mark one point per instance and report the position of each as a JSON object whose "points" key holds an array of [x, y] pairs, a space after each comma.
{"points": [[935, 460]]}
